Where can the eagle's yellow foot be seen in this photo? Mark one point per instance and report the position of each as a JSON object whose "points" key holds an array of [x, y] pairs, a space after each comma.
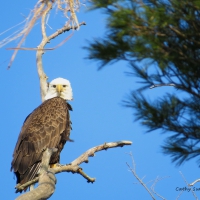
{"points": [[55, 165]]}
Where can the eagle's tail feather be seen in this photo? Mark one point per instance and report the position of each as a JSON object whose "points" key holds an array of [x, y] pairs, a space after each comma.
{"points": [[29, 175]]}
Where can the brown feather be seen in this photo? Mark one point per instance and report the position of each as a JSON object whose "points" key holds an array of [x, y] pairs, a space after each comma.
{"points": [[47, 126]]}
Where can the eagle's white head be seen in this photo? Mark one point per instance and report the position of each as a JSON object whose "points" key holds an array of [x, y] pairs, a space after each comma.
{"points": [[59, 87]]}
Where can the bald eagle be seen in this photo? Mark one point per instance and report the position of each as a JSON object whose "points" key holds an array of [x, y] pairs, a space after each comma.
{"points": [[47, 126]]}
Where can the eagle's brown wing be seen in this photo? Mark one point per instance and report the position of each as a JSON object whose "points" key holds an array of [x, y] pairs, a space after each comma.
{"points": [[47, 126]]}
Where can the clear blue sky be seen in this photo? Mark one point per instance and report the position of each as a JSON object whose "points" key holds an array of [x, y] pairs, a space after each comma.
{"points": [[98, 115]]}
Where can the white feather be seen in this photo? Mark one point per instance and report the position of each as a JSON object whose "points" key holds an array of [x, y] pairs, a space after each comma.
{"points": [[65, 94]]}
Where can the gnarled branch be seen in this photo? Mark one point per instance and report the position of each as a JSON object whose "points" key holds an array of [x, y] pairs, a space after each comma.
{"points": [[74, 165], [47, 180]]}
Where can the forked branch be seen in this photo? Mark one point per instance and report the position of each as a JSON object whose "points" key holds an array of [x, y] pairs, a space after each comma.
{"points": [[47, 180], [74, 165], [151, 190], [41, 9], [46, 39]]}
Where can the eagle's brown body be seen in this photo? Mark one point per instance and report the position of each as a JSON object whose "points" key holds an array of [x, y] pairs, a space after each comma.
{"points": [[47, 126]]}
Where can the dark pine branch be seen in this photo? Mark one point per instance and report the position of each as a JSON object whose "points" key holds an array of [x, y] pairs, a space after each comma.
{"points": [[160, 42]]}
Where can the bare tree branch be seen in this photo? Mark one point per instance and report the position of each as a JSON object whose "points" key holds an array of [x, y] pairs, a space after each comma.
{"points": [[40, 10], [195, 196], [64, 29], [54, 35], [26, 31], [189, 90], [154, 184], [196, 181], [160, 85], [42, 76], [105, 146], [74, 165], [133, 170], [47, 180]]}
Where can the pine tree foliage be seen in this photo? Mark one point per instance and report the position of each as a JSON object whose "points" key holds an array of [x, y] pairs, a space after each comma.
{"points": [[160, 39]]}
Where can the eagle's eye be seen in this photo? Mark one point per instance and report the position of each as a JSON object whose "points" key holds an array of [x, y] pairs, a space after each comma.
{"points": [[64, 85], [54, 86]]}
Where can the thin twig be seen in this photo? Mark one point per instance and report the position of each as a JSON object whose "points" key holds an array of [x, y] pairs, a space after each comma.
{"points": [[154, 184], [179, 195], [41, 10], [36, 15], [20, 187], [12, 27], [183, 178], [54, 35], [160, 85], [133, 170], [188, 185], [64, 29], [177, 86]]}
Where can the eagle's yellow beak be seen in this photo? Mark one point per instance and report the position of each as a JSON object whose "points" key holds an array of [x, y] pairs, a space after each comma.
{"points": [[59, 88]]}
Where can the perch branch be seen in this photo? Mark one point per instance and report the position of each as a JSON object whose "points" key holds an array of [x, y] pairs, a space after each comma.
{"points": [[105, 146], [74, 166], [47, 180]]}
